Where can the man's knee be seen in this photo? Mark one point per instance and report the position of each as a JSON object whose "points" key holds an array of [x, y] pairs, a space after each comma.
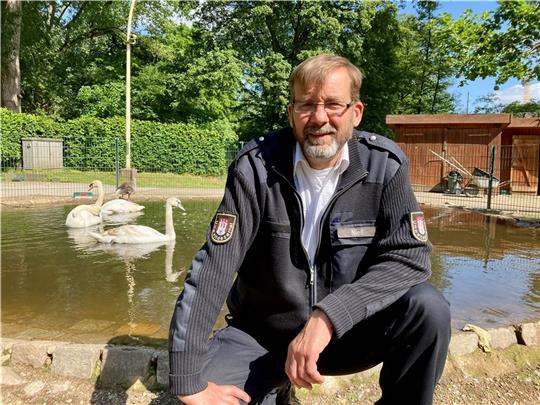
{"points": [[429, 307]]}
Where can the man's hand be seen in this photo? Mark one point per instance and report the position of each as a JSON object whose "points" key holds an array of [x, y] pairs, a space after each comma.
{"points": [[304, 350], [216, 395]]}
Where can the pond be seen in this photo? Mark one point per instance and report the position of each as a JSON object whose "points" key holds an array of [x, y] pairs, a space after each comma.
{"points": [[58, 283]]}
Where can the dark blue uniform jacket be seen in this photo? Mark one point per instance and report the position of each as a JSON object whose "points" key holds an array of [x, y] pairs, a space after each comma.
{"points": [[368, 255]]}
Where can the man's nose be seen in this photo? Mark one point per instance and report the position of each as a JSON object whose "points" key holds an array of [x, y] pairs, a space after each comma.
{"points": [[319, 115]]}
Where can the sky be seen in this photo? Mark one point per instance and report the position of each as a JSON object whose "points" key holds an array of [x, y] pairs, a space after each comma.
{"points": [[508, 92]]}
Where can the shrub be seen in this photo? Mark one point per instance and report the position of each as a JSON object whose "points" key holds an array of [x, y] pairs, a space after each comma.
{"points": [[89, 143]]}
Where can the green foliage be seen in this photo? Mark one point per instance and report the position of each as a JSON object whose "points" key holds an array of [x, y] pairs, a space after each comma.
{"points": [[422, 88], [489, 105], [231, 63], [532, 108], [504, 43], [101, 100], [16, 127], [66, 45], [89, 143], [272, 37]]}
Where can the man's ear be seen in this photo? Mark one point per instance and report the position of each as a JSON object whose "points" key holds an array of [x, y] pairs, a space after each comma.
{"points": [[358, 112], [290, 114]]}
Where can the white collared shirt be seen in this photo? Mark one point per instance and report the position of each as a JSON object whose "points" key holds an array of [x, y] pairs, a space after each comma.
{"points": [[316, 188]]}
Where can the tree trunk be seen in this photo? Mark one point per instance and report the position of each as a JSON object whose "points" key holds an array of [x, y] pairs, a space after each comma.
{"points": [[11, 40]]}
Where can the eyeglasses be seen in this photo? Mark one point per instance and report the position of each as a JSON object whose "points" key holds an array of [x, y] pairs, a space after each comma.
{"points": [[331, 108]]}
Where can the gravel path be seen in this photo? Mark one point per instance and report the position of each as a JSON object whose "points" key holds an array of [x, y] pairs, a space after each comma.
{"points": [[503, 377]]}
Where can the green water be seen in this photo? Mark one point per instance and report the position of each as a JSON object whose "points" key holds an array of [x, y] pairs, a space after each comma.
{"points": [[58, 283]]}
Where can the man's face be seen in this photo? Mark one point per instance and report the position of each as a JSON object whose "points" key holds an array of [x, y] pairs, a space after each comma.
{"points": [[322, 134]]}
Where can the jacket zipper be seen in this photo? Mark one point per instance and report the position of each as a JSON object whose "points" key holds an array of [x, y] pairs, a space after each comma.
{"points": [[330, 203], [312, 267]]}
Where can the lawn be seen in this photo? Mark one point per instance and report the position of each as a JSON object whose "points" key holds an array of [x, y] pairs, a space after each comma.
{"points": [[144, 179]]}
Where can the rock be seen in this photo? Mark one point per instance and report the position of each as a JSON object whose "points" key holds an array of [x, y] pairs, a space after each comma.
{"points": [[33, 388], [76, 360], [10, 377], [123, 365], [35, 354], [462, 343], [5, 359], [6, 345], [162, 370], [484, 339], [528, 333], [502, 337]]}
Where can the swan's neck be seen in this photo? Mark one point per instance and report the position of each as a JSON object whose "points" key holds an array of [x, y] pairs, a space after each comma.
{"points": [[169, 226], [99, 201]]}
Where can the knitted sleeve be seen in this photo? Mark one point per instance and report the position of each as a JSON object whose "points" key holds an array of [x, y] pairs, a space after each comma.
{"points": [[208, 283]]}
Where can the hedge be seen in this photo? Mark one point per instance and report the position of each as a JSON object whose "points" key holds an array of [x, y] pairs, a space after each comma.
{"points": [[89, 143]]}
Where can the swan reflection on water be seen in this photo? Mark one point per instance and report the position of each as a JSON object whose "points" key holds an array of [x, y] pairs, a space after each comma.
{"points": [[128, 253]]}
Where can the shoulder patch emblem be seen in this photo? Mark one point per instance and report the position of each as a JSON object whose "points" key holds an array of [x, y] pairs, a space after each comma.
{"points": [[418, 226], [223, 228]]}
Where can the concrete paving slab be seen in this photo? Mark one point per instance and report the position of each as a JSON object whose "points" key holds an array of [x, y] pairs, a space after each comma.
{"points": [[463, 343], [123, 365], [35, 354], [502, 337], [76, 360], [10, 377]]}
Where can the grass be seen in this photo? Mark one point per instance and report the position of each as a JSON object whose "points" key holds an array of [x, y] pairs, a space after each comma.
{"points": [[144, 179]]}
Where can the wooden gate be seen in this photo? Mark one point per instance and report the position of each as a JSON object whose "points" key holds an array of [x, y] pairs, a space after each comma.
{"points": [[525, 155]]}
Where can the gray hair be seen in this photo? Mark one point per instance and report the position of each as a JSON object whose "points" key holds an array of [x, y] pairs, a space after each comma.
{"points": [[313, 72]]}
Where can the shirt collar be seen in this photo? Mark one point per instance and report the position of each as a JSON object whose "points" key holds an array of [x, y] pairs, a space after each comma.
{"points": [[343, 162]]}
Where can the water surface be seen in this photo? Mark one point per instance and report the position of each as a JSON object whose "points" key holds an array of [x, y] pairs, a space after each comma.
{"points": [[58, 283]]}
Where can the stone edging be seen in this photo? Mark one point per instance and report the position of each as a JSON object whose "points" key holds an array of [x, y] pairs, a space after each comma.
{"points": [[116, 365]]}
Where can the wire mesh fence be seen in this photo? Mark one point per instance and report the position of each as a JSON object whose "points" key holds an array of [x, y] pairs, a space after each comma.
{"points": [[50, 170], [501, 178]]}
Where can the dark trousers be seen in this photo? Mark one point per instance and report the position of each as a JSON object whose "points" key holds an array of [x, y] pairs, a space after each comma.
{"points": [[410, 338]]}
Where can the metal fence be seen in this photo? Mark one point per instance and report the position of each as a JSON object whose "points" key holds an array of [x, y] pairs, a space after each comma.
{"points": [[503, 178], [50, 171], [497, 178]]}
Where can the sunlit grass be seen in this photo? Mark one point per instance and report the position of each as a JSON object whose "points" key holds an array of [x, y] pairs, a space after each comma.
{"points": [[144, 179]]}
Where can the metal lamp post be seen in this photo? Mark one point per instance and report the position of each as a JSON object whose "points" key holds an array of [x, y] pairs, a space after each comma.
{"points": [[129, 41]]}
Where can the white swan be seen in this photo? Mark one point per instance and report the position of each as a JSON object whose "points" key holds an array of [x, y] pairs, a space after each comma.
{"points": [[121, 219], [85, 215], [120, 206], [142, 233]]}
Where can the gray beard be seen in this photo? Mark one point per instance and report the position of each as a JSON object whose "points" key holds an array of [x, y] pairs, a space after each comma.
{"points": [[320, 151]]}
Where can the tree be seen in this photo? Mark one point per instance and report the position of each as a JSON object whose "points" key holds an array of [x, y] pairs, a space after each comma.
{"points": [[425, 65], [504, 43], [272, 37], [11, 73], [66, 45], [530, 109]]}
